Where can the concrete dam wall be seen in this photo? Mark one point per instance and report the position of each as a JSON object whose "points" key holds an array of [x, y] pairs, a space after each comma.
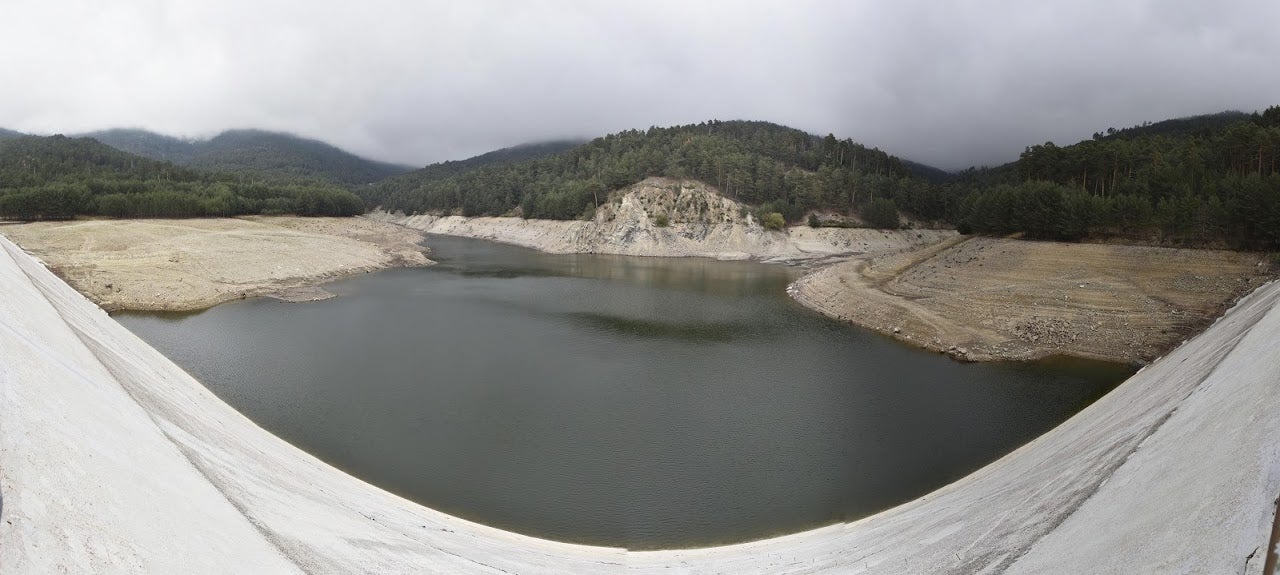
{"points": [[112, 459]]}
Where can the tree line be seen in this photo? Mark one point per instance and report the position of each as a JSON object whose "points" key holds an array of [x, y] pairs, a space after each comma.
{"points": [[60, 178], [256, 155], [1205, 184], [1206, 180], [778, 169]]}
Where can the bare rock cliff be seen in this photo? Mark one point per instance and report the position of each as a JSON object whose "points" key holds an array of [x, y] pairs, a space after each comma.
{"points": [[666, 217]]}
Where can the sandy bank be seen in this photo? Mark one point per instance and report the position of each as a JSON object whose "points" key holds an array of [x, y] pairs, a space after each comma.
{"points": [[991, 299], [194, 264]]}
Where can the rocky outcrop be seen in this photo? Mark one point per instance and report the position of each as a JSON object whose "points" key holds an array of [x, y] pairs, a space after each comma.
{"points": [[675, 218]]}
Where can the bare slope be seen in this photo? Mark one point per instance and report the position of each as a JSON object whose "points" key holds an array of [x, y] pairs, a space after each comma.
{"points": [[699, 222], [986, 298], [195, 264]]}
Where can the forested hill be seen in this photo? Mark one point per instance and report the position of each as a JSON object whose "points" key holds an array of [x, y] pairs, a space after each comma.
{"points": [[1202, 125], [1208, 180], [773, 167], [936, 175], [510, 155], [148, 144], [513, 154], [253, 151], [9, 134], [58, 177], [257, 154]]}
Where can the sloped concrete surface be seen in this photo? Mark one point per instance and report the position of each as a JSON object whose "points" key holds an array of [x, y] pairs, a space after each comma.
{"points": [[112, 459]]}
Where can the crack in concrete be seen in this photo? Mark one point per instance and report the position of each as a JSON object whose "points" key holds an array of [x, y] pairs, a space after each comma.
{"points": [[1272, 564]]}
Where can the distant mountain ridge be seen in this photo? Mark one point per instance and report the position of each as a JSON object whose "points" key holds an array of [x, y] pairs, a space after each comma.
{"points": [[776, 169], [518, 153], [927, 172], [147, 144], [256, 153], [1201, 126], [57, 177], [1211, 180], [1198, 125], [509, 155]]}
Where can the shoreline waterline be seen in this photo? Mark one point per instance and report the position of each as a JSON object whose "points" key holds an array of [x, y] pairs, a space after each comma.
{"points": [[630, 365]]}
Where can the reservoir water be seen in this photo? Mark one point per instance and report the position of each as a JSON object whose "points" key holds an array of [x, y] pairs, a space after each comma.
{"points": [[637, 402]]}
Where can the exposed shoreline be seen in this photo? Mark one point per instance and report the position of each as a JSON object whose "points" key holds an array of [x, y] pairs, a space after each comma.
{"points": [[972, 298], [191, 265], [699, 223], [992, 299]]}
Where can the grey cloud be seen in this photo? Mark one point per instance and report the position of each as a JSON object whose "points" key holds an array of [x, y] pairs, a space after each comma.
{"points": [[952, 84]]}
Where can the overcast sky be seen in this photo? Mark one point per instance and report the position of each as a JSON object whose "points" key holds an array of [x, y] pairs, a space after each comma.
{"points": [[947, 83]]}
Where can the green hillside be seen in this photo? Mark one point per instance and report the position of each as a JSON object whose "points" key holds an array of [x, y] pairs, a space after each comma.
{"points": [[442, 170], [255, 154], [58, 177], [1205, 180], [1200, 125], [772, 167], [1208, 180], [510, 155], [148, 144]]}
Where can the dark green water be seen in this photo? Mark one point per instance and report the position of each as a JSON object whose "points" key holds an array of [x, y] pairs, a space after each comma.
{"points": [[622, 401]]}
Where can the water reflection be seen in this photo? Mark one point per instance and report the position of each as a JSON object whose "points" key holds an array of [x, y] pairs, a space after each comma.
{"points": [[730, 278]]}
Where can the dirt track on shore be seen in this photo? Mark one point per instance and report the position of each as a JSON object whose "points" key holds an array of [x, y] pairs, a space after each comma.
{"points": [[984, 299], [182, 265]]}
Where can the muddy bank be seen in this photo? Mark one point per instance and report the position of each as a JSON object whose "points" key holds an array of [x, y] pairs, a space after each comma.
{"points": [[181, 265], [984, 299]]}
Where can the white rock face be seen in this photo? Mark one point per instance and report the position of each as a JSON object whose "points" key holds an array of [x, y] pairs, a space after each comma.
{"points": [[112, 459], [700, 223]]}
